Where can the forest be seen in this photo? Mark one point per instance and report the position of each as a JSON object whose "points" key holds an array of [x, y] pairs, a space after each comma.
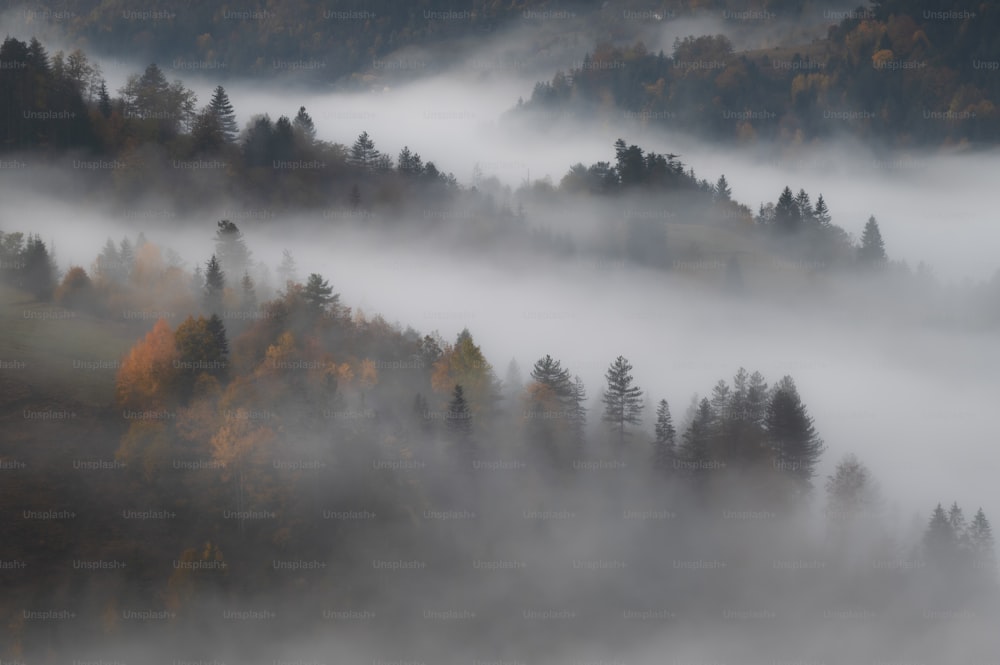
{"points": [[279, 388]]}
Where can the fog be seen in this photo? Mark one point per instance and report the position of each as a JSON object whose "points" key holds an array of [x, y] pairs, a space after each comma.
{"points": [[912, 399]]}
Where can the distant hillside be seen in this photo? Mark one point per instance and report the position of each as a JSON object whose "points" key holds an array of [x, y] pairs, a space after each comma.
{"points": [[899, 72], [310, 40]]}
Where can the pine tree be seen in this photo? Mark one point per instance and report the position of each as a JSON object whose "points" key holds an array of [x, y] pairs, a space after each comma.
{"points": [[104, 100], [802, 201], [795, 444], [664, 441], [513, 383], [851, 492], [695, 451], [215, 285], [787, 217], [722, 192], [551, 374], [872, 250], [304, 127], [459, 418], [821, 213], [287, 271], [979, 536], [622, 400], [231, 248], [248, 297], [126, 258], [319, 296], [38, 269], [578, 412], [939, 542], [224, 114], [363, 154]]}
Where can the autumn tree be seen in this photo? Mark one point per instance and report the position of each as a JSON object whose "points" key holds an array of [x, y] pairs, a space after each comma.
{"points": [[463, 363], [147, 378]]}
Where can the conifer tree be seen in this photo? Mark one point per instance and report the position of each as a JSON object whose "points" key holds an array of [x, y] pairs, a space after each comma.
{"points": [[622, 399], [872, 251], [222, 110], [215, 284], [795, 444], [664, 441]]}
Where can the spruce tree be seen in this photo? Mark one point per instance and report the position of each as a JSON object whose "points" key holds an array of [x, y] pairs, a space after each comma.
{"points": [[795, 444], [939, 543], [664, 440], [104, 100], [979, 536], [224, 114], [304, 127], [872, 251], [722, 192], [622, 400], [787, 218], [287, 271], [821, 213], [319, 295], [459, 418], [215, 284], [231, 248]]}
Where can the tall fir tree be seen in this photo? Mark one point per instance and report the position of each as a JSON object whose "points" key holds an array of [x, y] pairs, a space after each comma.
{"points": [[215, 285], [223, 112], [664, 440], [795, 444], [622, 399], [871, 254]]}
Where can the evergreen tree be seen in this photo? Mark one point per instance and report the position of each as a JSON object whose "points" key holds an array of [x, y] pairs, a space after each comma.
{"points": [[695, 451], [222, 111], [104, 100], [248, 297], [459, 418], [664, 441], [578, 412], [287, 271], [851, 492], [319, 296], [215, 285], [409, 163], [979, 536], [803, 203], [551, 374], [622, 400], [355, 197], [231, 248], [821, 213], [108, 267], [872, 250], [513, 383], [939, 542], [304, 127], [722, 192], [795, 444], [787, 217], [363, 154], [126, 258], [38, 269]]}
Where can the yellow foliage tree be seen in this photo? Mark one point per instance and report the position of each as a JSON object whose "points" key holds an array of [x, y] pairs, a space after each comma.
{"points": [[147, 378]]}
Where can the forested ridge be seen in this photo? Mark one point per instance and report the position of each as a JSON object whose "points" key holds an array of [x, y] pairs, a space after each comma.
{"points": [[272, 460]]}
